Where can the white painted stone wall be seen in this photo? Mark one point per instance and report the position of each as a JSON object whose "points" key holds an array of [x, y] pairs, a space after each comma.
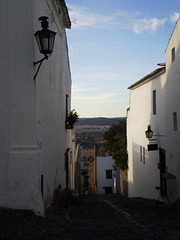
{"points": [[103, 164], [143, 177], [33, 137], [172, 99]]}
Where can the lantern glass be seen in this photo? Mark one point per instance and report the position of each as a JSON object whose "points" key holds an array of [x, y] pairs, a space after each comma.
{"points": [[45, 40], [149, 132]]}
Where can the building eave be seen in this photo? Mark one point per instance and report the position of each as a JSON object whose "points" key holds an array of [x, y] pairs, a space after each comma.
{"points": [[60, 13], [66, 19], [148, 77], [172, 33]]}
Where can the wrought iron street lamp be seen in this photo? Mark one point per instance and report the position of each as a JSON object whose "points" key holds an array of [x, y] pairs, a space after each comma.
{"points": [[45, 41]]}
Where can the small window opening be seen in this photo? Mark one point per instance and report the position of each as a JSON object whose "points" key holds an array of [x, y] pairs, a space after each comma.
{"points": [[175, 121], [67, 105], [173, 54], [154, 102], [108, 174], [141, 153], [42, 185], [144, 155]]}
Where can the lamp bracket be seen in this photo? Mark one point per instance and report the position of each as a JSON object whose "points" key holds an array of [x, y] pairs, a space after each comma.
{"points": [[40, 62], [159, 135], [45, 57]]}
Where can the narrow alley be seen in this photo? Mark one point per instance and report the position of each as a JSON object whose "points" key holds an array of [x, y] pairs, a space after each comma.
{"points": [[95, 217]]}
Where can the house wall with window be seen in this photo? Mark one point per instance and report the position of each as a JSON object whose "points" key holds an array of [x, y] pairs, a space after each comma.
{"points": [[154, 100], [33, 139], [147, 107], [106, 175], [173, 113]]}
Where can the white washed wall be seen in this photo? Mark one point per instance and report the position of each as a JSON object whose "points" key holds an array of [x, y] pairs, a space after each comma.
{"points": [[103, 164], [33, 138], [172, 99], [19, 150], [143, 177], [53, 83]]}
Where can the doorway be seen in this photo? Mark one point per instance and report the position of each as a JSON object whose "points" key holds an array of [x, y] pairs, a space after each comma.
{"points": [[108, 190], [66, 156], [162, 168]]}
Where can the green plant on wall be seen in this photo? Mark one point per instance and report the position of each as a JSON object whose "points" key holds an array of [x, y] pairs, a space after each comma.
{"points": [[71, 119]]}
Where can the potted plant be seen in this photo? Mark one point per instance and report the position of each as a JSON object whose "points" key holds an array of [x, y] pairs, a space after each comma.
{"points": [[71, 119]]}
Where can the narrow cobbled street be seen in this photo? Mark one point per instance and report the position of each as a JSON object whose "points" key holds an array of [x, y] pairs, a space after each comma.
{"points": [[95, 217]]}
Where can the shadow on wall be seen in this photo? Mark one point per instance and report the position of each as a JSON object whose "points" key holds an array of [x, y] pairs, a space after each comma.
{"points": [[164, 120], [160, 109], [172, 163]]}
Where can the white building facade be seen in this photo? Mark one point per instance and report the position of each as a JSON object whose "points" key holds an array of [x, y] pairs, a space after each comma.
{"points": [[107, 176], [172, 154], [154, 163], [33, 139]]}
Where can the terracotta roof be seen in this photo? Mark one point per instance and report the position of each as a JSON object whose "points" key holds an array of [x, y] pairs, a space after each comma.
{"points": [[151, 75]]}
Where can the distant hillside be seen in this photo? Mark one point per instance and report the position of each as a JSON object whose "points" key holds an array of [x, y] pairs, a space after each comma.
{"points": [[100, 121], [90, 131]]}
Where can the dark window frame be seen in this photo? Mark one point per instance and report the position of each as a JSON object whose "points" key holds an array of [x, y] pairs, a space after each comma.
{"points": [[173, 54], [67, 105], [144, 155], [154, 102], [109, 174], [140, 153], [175, 122]]}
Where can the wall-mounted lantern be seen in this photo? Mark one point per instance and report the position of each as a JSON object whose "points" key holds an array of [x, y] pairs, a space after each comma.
{"points": [[45, 41], [149, 135], [149, 132]]}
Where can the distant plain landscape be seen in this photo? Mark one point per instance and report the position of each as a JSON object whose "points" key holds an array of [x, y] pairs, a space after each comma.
{"points": [[89, 132]]}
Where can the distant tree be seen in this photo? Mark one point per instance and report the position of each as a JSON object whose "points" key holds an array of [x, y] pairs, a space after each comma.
{"points": [[116, 144]]}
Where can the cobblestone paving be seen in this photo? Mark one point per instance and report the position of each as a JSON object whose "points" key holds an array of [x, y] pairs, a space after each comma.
{"points": [[161, 219], [97, 220], [95, 217]]}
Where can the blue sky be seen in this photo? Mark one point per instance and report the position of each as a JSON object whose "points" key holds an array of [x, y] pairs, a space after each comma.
{"points": [[112, 44]]}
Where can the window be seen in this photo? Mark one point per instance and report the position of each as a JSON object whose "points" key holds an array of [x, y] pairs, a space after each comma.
{"points": [[141, 153], [67, 104], [144, 155], [108, 174], [154, 102], [173, 54], [175, 121], [42, 185]]}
